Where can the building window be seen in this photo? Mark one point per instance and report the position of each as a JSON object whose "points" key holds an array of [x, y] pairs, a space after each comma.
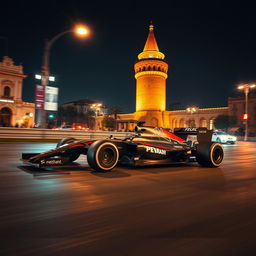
{"points": [[7, 91], [203, 123], [182, 123], [211, 124]]}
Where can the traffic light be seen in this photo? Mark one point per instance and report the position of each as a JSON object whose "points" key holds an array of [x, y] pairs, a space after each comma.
{"points": [[245, 117], [51, 116]]}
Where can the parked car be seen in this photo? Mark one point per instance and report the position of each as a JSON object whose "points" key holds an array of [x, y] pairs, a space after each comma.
{"points": [[74, 127], [223, 137], [63, 127], [80, 126]]}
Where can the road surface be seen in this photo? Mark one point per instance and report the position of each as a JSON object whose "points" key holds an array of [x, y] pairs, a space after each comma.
{"points": [[174, 210]]}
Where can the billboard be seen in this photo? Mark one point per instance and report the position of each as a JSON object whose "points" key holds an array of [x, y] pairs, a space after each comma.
{"points": [[51, 98], [39, 97]]}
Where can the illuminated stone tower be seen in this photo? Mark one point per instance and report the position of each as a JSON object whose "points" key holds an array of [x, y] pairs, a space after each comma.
{"points": [[150, 74]]}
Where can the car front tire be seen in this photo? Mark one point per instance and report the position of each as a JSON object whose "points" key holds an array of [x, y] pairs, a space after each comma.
{"points": [[103, 156]]}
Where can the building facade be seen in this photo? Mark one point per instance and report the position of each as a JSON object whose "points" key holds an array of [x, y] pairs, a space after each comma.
{"points": [[86, 105], [13, 111], [236, 107]]}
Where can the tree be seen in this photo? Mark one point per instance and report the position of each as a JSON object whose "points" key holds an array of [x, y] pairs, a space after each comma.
{"points": [[115, 111], [108, 122], [67, 114], [72, 115], [224, 122], [191, 123], [90, 118]]}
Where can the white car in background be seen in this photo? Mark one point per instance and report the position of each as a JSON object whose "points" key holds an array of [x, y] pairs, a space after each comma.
{"points": [[223, 137]]}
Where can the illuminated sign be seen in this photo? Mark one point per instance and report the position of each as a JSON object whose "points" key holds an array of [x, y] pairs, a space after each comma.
{"points": [[39, 97], [51, 98], [9, 101], [245, 117]]}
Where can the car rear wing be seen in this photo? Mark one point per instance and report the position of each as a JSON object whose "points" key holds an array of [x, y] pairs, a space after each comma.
{"points": [[203, 135]]}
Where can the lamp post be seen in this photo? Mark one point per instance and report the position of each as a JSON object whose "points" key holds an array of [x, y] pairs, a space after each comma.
{"points": [[246, 88], [191, 110], [96, 107], [81, 31]]}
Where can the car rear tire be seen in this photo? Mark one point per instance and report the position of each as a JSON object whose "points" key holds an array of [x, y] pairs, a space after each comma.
{"points": [[71, 157], [209, 155], [103, 156]]}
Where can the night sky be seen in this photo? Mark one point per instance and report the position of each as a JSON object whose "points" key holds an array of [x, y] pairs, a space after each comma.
{"points": [[209, 51]]}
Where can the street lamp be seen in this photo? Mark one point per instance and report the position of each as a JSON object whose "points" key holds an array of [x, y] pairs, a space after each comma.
{"points": [[96, 108], [191, 110], [246, 88], [80, 31]]}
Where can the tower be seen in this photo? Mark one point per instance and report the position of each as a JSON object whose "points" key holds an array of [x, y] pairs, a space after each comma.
{"points": [[150, 74]]}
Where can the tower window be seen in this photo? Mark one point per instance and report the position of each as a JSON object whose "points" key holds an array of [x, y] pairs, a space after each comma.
{"points": [[154, 68], [7, 91], [144, 68]]}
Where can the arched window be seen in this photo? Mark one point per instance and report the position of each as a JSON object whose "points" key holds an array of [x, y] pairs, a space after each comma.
{"points": [[159, 68], [7, 91], [154, 122], [154, 68], [211, 123], [149, 68], [182, 123], [144, 68], [174, 123], [5, 117], [191, 123], [203, 122]]}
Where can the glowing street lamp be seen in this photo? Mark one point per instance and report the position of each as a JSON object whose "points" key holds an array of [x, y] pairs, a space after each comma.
{"points": [[79, 30], [191, 110], [246, 88], [96, 108]]}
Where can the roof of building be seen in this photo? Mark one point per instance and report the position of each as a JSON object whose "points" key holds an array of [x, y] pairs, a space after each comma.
{"points": [[151, 49], [151, 44], [82, 102], [8, 67]]}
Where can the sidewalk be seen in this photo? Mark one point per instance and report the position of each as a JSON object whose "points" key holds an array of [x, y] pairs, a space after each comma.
{"points": [[241, 138]]}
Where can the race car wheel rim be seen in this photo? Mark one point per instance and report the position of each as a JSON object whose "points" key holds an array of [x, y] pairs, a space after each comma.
{"points": [[107, 156], [217, 155]]}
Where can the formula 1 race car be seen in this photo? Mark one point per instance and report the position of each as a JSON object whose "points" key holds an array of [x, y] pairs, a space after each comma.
{"points": [[147, 145]]}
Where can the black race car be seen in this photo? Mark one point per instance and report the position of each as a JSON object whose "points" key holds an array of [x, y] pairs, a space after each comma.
{"points": [[148, 145]]}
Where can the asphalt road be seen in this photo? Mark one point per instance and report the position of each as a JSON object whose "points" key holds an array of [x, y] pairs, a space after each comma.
{"points": [[174, 210]]}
